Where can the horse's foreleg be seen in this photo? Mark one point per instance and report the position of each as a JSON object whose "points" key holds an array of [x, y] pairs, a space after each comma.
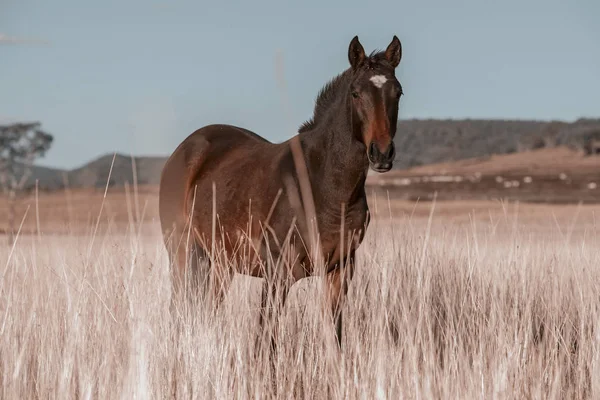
{"points": [[336, 291], [177, 261], [276, 290], [190, 268], [220, 281]]}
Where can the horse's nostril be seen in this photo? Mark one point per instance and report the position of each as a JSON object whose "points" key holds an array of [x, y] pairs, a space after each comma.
{"points": [[392, 152], [372, 150]]}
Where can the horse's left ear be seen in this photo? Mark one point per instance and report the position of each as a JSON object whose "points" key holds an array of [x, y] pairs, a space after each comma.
{"points": [[393, 53]]}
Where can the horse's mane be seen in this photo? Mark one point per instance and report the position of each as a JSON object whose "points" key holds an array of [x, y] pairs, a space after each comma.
{"points": [[325, 98], [328, 93]]}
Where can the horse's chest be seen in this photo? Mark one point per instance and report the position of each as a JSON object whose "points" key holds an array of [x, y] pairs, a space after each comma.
{"points": [[356, 218], [355, 221]]}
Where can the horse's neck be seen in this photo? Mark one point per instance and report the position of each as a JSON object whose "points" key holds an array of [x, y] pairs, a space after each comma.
{"points": [[337, 163]]}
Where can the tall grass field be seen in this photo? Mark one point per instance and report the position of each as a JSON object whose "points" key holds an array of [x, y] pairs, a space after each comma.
{"points": [[501, 305]]}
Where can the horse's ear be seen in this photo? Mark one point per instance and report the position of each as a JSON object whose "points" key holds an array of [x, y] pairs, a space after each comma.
{"points": [[393, 53], [356, 53]]}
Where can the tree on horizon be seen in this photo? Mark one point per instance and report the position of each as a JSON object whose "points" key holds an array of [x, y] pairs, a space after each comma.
{"points": [[20, 144]]}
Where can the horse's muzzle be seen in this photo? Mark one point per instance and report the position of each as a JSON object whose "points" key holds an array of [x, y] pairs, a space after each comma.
{"points": [[381, 161]]}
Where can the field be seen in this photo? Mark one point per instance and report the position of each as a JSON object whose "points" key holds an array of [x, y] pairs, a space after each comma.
{"points": [[452, 299]]}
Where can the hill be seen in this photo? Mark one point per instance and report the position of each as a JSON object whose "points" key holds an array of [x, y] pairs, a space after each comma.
{"points": [[95, 173], [425, 142], [551, 161], [551, 175], [418, 143]]}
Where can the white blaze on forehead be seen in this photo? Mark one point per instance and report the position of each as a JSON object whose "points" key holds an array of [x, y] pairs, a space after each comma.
{"points": [[378, 80]]}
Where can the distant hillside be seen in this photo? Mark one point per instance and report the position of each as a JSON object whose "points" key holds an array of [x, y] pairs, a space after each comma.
{"points": [[535, 163], [95, 173], [551, 175], [418, 143], [424, 142]]}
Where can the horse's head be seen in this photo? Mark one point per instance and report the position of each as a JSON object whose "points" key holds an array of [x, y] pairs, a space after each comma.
{"points": [[374, 95]]}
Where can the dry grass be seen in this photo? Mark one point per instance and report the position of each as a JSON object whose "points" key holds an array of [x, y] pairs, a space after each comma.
{"points": [[497, 305]]}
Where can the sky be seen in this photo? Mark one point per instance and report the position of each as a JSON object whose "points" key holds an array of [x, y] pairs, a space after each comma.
{"points": [[137, 77]]}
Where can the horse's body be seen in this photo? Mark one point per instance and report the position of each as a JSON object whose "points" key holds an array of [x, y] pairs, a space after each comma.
{"points": [[255, 185]]}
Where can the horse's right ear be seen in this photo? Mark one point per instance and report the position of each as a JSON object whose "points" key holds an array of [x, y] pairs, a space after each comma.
{"points": [[356, 53]]}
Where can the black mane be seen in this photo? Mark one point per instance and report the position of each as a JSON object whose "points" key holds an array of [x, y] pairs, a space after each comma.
{"points": [[327, 95]]}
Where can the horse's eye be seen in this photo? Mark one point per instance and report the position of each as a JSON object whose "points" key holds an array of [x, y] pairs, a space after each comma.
{"points": [[355, 94]]}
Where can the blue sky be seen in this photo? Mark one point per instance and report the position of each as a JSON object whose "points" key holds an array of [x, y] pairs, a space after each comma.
{"points": [[139, 76]]}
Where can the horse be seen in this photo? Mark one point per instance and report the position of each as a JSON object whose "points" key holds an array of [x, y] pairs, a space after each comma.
{"points": [[227, 187]]}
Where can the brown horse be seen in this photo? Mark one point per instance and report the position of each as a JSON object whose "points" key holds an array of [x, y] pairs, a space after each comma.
{"points": [[231, 197]]}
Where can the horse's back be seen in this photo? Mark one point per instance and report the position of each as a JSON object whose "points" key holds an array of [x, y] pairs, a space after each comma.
{"points": [[210, 151]]}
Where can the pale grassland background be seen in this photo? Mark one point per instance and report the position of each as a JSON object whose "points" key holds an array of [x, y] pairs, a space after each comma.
{"points": [[482, 301]]}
